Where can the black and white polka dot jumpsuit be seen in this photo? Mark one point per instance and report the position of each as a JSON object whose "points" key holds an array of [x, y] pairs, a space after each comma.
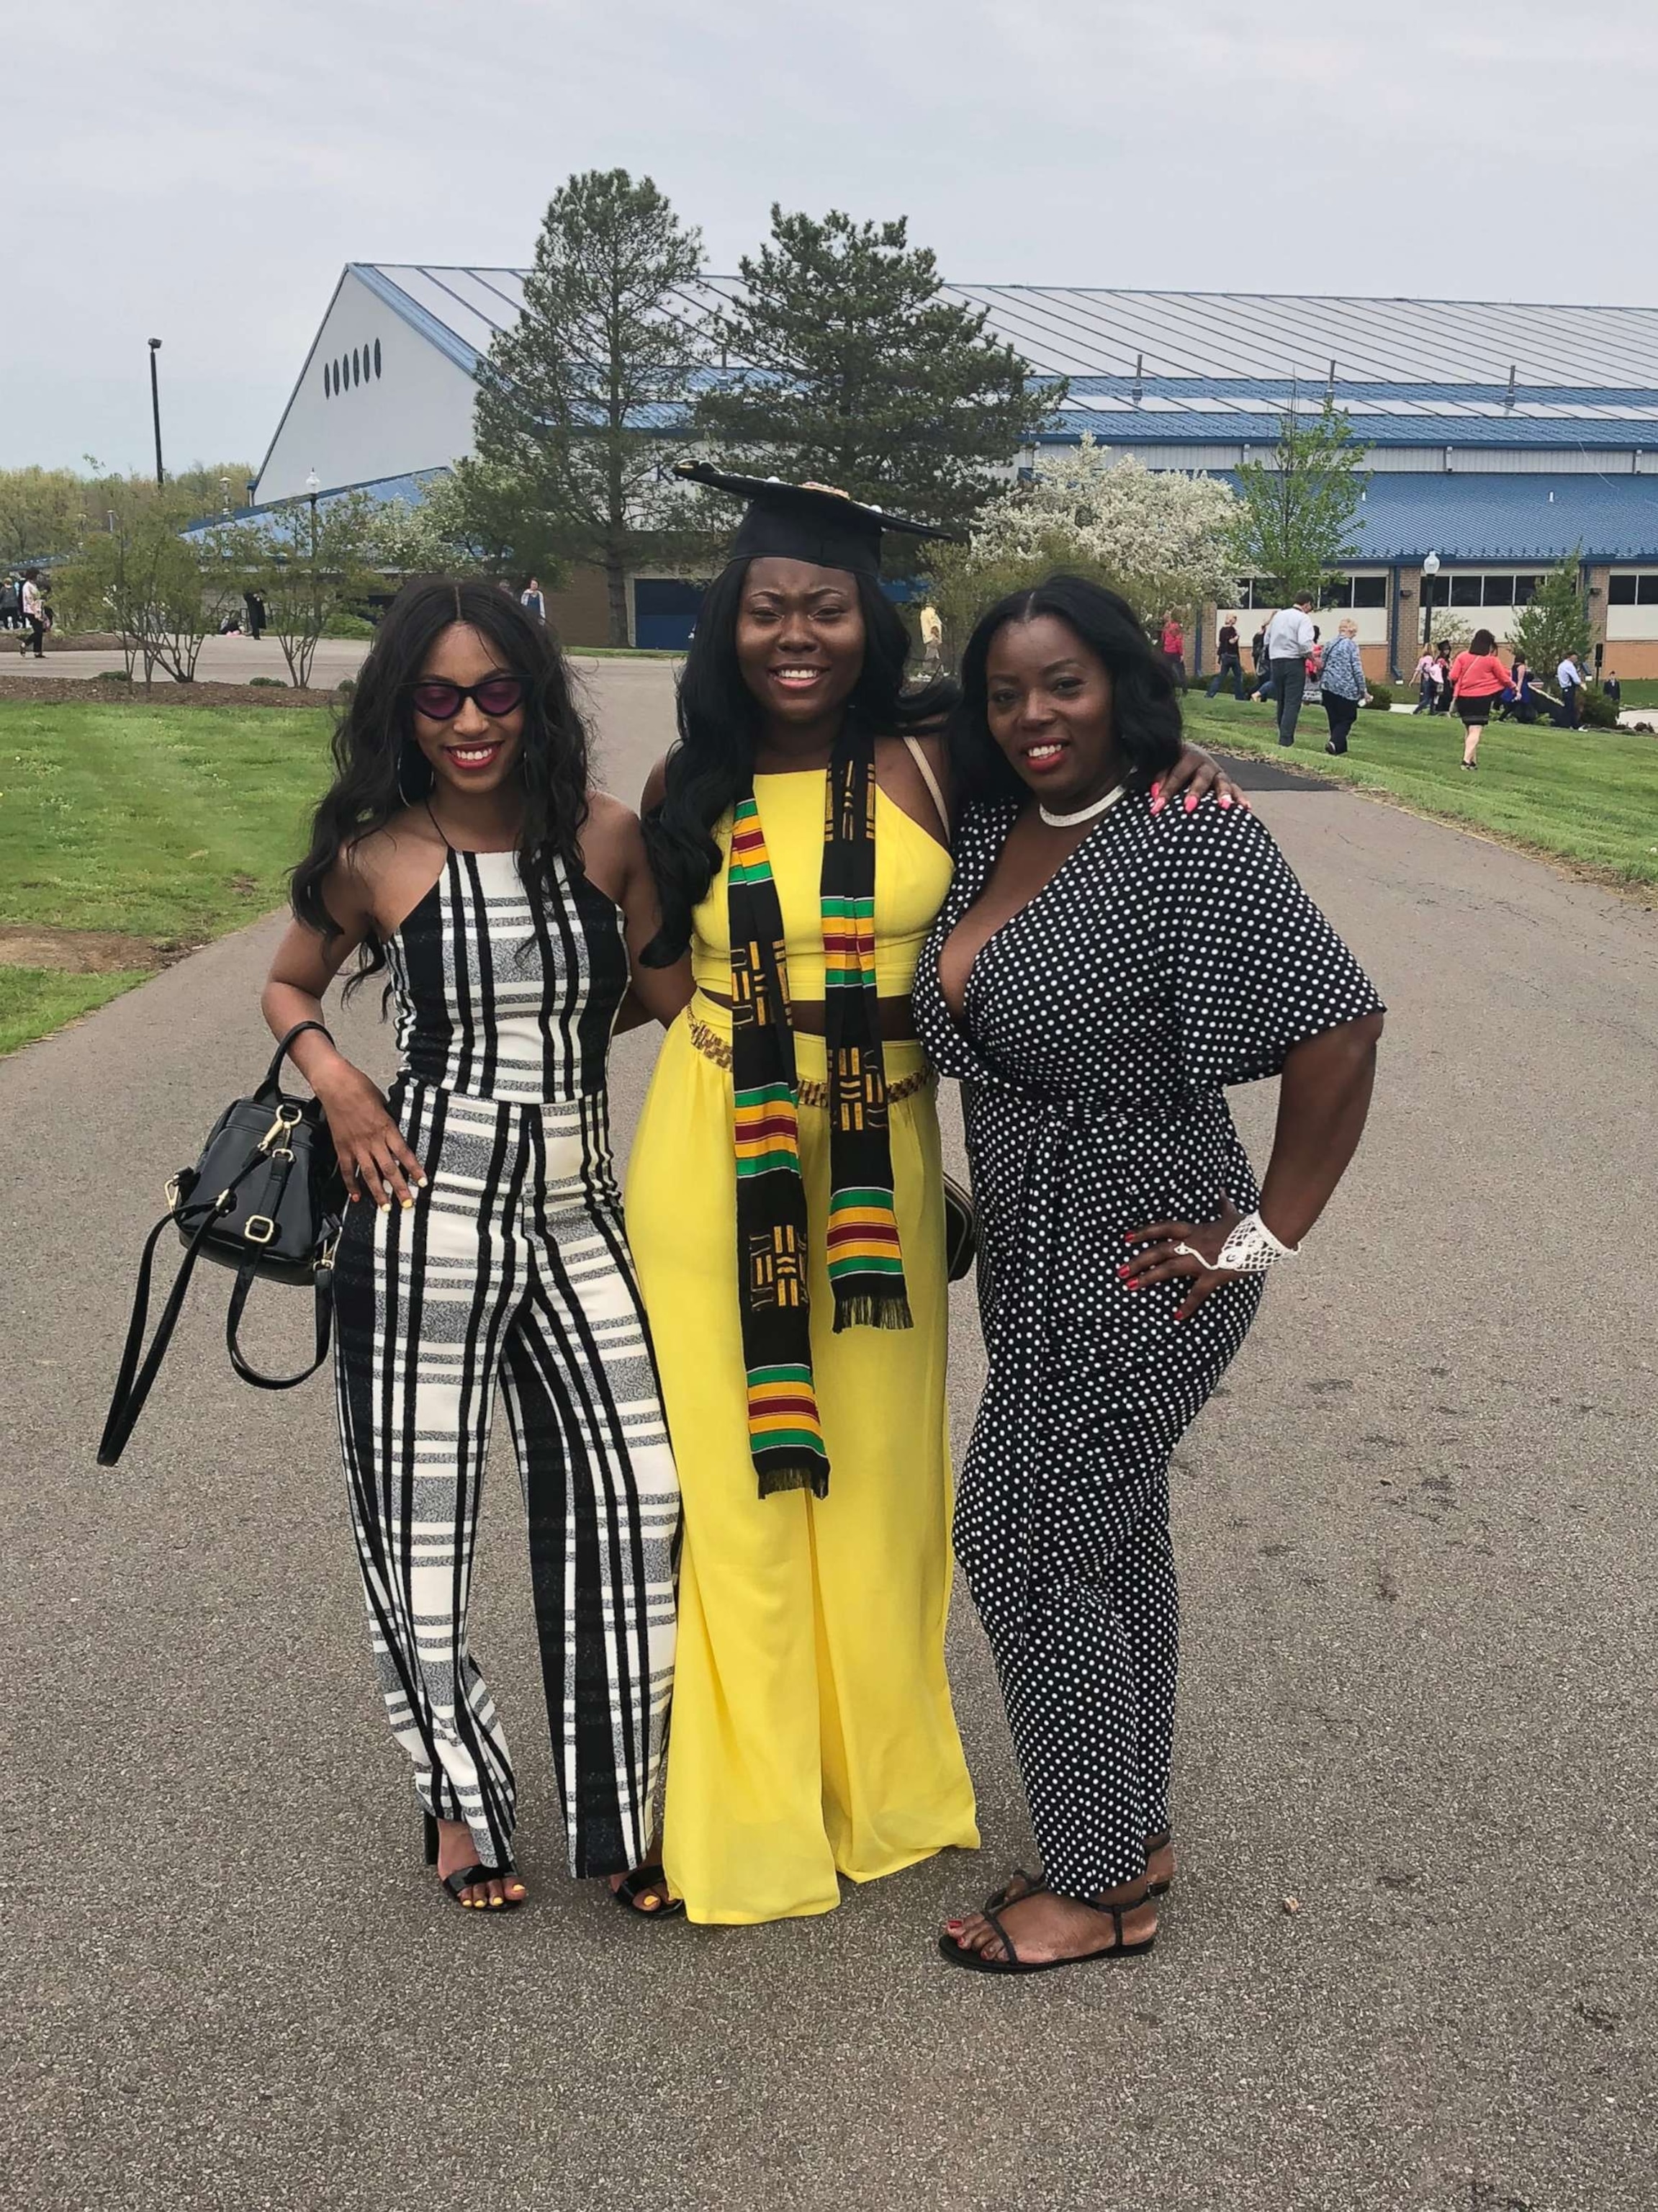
{"points": [[1168, 956]]}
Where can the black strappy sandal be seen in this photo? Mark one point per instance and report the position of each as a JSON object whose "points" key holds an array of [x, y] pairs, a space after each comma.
{"points": [[637, 1894], [976, 1963], [1035, 1884], [1159, 1843], [472, 1877]]}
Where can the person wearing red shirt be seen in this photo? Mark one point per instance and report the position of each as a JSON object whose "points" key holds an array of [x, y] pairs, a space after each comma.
{"points": [[1173, 649], [1478, 680]]}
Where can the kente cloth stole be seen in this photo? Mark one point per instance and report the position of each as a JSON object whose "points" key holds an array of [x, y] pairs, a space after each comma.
{"points": [[865, 1262]]}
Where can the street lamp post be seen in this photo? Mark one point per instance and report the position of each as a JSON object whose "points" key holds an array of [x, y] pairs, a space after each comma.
{"points": [[1430, 571], [155, 404]]}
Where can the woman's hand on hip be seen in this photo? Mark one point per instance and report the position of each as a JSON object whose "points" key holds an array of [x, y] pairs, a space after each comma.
{"points": [[373, 1157], [1193, 777], [1161, 1262]]}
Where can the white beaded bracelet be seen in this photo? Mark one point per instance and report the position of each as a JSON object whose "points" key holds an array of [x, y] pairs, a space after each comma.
{"points": [[1250, 1249]]}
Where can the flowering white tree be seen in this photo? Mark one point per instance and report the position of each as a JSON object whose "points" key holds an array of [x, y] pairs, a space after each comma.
{"points": [[1162, 540]]}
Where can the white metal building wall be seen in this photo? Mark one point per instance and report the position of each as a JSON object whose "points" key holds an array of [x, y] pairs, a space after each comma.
{"points": [[416, 414]]}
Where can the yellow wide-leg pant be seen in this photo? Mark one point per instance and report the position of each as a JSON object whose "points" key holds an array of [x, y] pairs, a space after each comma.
{"points": [[811, 1733]]}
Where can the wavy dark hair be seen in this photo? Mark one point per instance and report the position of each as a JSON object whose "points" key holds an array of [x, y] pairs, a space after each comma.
{"points": [[719, 724], [1145, 711], [378, 769]]}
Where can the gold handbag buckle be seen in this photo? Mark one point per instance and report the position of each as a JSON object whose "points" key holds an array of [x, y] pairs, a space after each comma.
{"points": [[286, 1118], [259, 1229]]}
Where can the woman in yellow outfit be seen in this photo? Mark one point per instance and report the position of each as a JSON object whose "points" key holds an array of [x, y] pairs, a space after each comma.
{"points": [[812, 1734], [784, 1207]]}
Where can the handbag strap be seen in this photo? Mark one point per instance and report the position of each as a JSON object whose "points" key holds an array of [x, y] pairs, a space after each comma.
{"points": [[273, 1073], [324, 1326], [918, 753], [134, 1382], [136, 1378]]}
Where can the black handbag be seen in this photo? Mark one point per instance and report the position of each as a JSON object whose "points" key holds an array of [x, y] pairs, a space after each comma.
{"points": [[266, 1198], [961, 1231]]}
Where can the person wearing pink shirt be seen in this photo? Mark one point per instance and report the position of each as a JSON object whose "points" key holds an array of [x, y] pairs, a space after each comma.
{"points": [[1478, 680]]}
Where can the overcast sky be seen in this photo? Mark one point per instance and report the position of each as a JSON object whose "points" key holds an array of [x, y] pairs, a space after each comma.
{"points": [[198, 170]]}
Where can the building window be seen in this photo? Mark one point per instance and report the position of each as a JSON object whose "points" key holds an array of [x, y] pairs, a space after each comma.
{"points": [[377, 357], [1354, 592], [336, 380], [1266, 591], [327, 387], [1632, 591], [1477, 591]]}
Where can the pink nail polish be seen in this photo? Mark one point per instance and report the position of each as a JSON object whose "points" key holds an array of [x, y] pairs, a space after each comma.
{"points": [[1191, 803], [1226, 802]]}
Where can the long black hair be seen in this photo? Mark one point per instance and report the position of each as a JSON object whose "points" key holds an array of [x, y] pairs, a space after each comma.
{"points": [[1145, 712], [378, 769], [720, 725]]}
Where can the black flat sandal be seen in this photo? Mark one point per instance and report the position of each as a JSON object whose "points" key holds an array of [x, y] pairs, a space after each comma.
{"points": [[976, 1963], [472, 1877], [1157, 1843], [1033, 1884], [638, 1894]]}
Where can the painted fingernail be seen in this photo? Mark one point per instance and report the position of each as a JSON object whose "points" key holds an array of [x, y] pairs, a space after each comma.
{"points": [[1190, 802], [384, 1204], [1226, 802], [1157, 792], [424, 1181], [408, 1204]]}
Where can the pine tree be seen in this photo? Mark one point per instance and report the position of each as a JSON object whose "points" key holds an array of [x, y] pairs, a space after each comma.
{"points": [[1554, 621], [854, 369], [1295, 521], [569, 396]]}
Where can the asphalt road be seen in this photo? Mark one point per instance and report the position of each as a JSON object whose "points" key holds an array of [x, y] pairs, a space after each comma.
{"points": [[1420, 1557]]}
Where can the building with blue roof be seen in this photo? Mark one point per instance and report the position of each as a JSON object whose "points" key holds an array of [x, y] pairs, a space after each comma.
{"points": [[1501, 436]]}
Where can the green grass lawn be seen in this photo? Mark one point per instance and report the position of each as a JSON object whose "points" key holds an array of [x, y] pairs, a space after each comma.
{"points": [[1588, 796], [174, 824], [33, 1001], [170, 824]]}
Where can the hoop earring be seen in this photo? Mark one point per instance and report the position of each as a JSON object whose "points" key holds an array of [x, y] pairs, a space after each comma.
{"points": [[402, 793]]}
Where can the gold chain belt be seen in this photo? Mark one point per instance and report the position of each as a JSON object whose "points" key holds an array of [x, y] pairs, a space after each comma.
{"points": [[714, 1047]]}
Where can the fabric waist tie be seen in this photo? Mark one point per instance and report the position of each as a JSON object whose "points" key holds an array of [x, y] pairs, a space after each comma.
{"points": [[1028, 1304]]}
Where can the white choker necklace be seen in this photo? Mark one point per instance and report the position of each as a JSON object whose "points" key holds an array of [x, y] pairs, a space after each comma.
{"points": [[1082, 813]]}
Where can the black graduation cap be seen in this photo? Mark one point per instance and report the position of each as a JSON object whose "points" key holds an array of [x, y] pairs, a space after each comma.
{"points": [[797, 522]]}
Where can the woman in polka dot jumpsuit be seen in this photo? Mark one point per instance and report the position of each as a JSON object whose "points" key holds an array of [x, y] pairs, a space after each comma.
{"points": [[1103, 966]]}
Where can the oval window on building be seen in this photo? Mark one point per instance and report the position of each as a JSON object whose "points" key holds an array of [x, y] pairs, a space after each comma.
{"points": [[336, 380], [327, 389], [356, 368], [377, 357]]}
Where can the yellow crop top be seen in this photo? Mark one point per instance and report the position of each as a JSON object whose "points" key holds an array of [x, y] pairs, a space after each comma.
{"points": [[912, 875]]}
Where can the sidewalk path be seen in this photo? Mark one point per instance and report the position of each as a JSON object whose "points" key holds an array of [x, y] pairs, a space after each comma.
{"points": [[1419, 1549]]}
